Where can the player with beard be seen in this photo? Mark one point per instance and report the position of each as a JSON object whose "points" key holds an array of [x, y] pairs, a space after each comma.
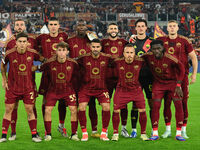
{"points": [[94, 68], [141, 44], [47, 46], [114, 45], [168, 74], [180, 47], [19, 26], [128, 89], [80, 45]]}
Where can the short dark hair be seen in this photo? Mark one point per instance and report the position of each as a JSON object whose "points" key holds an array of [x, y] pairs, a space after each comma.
{"points": [[63, 45], [96, 41], [81, 20], [20, 20], [21, 34], [112, 24], [156, 42], [129, 45], [140, 20], [53, 19]]}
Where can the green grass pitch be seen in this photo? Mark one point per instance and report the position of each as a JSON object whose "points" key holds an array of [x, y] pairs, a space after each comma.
{"points": [[23, 140]]}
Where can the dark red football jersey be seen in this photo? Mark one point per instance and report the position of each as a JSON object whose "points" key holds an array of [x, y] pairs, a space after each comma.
{"points": [[179, 47], [113, 47], [78, 46], [94, 71], [128, 74], [47, 44], [61, 75], [20, 75], [165, 70]]}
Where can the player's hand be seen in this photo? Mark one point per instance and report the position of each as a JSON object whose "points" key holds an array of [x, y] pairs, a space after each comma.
{"points": [[34, 68], [192, 78], [5, 85], [178, 91], [133, 38]]}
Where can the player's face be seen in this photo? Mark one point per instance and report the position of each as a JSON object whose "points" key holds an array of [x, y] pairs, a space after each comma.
{"points": [[62, 53], [157, 50], [19, 26], [113, 31], [22, 43], [129, 54], [172, 28], [95, 48], [81, 28], [53, 26], [141, 28]]}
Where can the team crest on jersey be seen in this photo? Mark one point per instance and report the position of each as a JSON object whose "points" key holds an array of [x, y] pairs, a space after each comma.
{"points": [[95, 71], [152, 62], [88, 64], [166, 43], [114, 49], [103, 63], [75, 46], [171, 50], [68, 67], [48, 40], [29, 58], [120, 43], [54, 46], [22, 67], [14, 61], [61, 75], [165, 65], [61, 38], [178, 44], [129, 75], [121, 68], [136, 67], [82, 52], [54, 69], [158, 70], [107, 44]]}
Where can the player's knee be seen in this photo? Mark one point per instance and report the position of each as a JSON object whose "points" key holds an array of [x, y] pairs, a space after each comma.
{"points": [[142, 110], [73, 110], [82, 107], [9, 109], [106, 107], [117, 111], [48, 111]]}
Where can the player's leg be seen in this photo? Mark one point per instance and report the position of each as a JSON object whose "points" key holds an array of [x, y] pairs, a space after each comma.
{"points": [[74, 123], [143, 123], [62, 115], [6, 121], [115, 122], [155, 118], [47, 122], [124, 116], [179, 117], [93, 117], [32, 121], [105, 120], [167, 115], [134, 118], [83, 120], [14, 122], [184, 86]]}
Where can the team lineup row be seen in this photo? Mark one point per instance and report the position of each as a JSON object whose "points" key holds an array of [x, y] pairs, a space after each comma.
{"points": [[75, 71]]}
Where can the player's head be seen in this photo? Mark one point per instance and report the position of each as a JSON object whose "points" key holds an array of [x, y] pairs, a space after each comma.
{"points": [[141, 26], [53, 25], [62, 50], [95, 46], [113, 30], [19, 26], [172, 27], [157, 47], [129, 53], [81, 27], [21, 41]]}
